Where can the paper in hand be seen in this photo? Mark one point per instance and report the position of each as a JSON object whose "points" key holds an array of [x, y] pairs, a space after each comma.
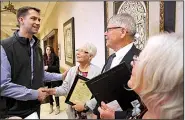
{"points": [[114, 105], [32, 116]]}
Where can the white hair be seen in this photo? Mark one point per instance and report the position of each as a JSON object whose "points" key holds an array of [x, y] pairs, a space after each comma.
{"points": [[160, 72], [90, 48], [124, 20]]}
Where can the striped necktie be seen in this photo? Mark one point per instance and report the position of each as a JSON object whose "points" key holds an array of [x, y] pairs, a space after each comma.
{"points": [[109, 62]]}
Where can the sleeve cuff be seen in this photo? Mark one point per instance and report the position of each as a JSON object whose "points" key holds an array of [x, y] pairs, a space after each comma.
{"points": [[34, 94], [58, 77], [122, 114], [57, 93], [91, 103]]}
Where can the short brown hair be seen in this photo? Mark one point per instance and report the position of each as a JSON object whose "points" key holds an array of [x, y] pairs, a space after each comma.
{"points": [[21, 12]]}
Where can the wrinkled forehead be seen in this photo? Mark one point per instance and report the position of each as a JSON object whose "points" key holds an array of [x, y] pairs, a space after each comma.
{"points": [[112, 25], [83, 48]]}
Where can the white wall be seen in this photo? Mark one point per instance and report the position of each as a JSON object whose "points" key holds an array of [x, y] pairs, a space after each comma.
{"points": [[179, 17], [154, 17], [89, 26]]}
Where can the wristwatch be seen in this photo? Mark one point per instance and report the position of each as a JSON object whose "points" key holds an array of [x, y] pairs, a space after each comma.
{"points": [[86, 107]]}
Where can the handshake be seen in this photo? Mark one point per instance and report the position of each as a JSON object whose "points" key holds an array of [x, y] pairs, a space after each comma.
{"points": [[44, 92]]}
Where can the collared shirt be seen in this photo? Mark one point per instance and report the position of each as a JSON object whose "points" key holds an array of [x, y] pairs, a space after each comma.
{"points": [[31, 57], [16, 91], [120, 54]]}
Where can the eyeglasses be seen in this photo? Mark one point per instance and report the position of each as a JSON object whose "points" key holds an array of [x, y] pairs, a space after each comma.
{"points": [[109, 29], [135, 59], [81, 50]]}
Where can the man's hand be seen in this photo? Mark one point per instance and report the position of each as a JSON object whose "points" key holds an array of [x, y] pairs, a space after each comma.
{"points": [[50, 91], [42, 94], [106, 112], [79, 106]]}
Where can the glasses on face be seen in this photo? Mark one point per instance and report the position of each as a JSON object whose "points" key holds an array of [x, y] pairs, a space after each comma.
{"points": [[81, 50], [111, 28], [135, 59]]}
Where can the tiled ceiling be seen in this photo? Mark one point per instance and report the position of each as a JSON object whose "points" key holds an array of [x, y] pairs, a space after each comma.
{"points": [[8, 19]]}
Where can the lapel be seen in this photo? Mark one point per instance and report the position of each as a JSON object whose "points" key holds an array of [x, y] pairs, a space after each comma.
{"points": [[129, 56]]}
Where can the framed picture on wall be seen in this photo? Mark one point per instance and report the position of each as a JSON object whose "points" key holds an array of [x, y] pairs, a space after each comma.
{"points": [[167, 16], [69, 42]]}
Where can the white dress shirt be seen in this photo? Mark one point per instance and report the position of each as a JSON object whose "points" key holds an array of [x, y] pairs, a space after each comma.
{"points": [[120, 54]]}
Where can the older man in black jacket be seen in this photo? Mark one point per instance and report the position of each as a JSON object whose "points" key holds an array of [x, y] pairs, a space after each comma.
{"points": [[120, 36]]}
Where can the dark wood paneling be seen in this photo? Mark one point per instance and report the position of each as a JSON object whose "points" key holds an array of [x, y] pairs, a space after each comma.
{"points": [[52, 39]]}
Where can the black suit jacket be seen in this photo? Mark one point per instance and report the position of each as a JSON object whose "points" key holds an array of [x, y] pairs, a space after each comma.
{"points": [[129, 56], [127, 109]]}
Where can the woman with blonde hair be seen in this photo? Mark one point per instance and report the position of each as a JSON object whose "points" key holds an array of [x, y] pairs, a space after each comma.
{"points": [[157, 77]]}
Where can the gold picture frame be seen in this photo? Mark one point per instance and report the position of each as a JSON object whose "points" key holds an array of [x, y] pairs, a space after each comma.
{"points": [[69, 42], [161, 29]]}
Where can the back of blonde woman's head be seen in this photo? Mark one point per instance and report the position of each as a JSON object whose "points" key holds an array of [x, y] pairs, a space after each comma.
{"points": [[160, 70]]}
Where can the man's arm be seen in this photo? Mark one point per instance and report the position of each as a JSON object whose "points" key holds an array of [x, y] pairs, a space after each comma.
{"points": [[54, 76], [64, 88], [9, 89]]}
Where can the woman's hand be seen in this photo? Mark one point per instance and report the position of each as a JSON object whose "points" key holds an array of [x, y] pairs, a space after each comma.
{"points": [[50, 91], [45, 68], [64, 74], [79, 106]]}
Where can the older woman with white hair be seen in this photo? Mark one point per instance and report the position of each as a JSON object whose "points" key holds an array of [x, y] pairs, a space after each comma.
{"points": [[85, 68], [157, 77]]}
